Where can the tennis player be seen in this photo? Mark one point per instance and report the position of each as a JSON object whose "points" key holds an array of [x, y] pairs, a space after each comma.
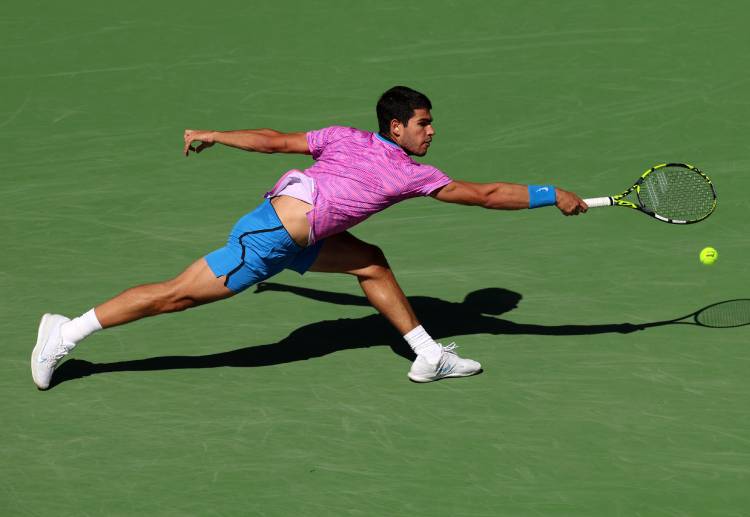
{"points": [[302, 225]]}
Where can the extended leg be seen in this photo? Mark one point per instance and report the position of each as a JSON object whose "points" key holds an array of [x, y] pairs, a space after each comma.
{"points": [[195, 286], [58, 335]]}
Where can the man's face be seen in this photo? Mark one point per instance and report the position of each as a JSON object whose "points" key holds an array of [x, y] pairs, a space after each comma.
{"points": [[416, 135]]}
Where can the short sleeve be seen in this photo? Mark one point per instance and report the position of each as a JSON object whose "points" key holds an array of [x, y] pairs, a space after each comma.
{"points": [[318, 140], [427, 179]]}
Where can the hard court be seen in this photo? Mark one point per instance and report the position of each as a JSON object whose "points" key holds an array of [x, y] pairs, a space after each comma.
{"points": [[293, 399]]}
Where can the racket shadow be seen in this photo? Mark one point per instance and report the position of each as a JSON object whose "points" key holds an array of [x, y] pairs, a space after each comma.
{"points": [[725, 314], [476, 314]]}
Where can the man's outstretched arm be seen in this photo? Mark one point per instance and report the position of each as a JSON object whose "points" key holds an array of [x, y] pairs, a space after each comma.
{"points": [[258, 140], [504, 196]]}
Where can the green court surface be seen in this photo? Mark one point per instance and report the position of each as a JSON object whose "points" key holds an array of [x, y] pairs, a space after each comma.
{"points": [[296, 402]]}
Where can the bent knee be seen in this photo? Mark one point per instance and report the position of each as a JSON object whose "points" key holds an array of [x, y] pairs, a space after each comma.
{"points": [[375, 256], [376, 263]]}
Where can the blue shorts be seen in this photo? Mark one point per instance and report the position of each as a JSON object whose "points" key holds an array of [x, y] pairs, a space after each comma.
{"points": [[258, 248]]}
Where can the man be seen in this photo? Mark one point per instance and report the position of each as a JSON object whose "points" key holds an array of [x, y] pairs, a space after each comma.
{"points": [[302, 225]]}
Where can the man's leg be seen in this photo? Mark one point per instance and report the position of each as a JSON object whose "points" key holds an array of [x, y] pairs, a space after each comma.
{"points": [[197, 285], [344, 253], [57, 335]]}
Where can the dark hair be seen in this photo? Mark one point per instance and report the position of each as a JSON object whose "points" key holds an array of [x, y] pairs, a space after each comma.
{"points": [[399, 102]]}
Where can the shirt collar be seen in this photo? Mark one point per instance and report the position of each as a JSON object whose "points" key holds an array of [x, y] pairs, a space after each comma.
{"points": [[386, 140]]}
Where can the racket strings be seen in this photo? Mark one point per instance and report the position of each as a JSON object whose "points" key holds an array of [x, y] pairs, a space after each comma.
{"points": [[732, 313], [677, 193]]}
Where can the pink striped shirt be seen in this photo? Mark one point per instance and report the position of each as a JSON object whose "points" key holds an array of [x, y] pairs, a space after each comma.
{"points": [[357, 174]]}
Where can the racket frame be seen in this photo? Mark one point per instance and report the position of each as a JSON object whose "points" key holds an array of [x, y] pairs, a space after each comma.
{"points": [[619, 200]]}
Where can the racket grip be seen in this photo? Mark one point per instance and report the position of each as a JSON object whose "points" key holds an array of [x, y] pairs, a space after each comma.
{"points": [[595, 202]]}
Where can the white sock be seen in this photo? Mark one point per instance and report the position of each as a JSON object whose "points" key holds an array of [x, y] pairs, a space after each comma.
{"points": [[80, 327], [422, 344]]}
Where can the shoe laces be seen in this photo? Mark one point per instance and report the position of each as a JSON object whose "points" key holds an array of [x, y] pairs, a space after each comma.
{"points": [[61, 350], [450, 348], [447, 363]]}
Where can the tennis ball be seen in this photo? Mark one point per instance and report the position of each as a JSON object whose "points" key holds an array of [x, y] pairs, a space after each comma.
{"points": [[709, 255]]}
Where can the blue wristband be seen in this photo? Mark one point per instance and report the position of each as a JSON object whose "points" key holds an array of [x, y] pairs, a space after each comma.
{"points": [[541, 195]]}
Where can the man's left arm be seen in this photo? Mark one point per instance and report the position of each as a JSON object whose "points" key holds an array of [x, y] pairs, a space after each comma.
{"points": [[257, 140], [506, 196]]}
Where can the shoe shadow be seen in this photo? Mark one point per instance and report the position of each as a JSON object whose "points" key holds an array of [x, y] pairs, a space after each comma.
{"points": [[476, 314]]}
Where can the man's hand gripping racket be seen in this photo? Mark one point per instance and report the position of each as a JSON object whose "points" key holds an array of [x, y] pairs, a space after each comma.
{"points": [[568, 203]]}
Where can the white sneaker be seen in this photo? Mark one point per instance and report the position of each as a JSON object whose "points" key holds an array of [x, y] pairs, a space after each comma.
{"points": [[449, 365], [49, 349]]}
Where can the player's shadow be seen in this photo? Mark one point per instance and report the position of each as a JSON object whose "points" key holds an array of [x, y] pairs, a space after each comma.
{"points": [[476, 314]]}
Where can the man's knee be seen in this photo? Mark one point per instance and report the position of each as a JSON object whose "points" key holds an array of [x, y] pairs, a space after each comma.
{"points": [[195, 286], [377, 264], [172, 296]]}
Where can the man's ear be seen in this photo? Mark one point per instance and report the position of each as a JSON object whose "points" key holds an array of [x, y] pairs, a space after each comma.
{"points": [[396, 127]]}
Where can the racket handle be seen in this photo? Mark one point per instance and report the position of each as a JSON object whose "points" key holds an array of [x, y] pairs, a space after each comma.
{"points": [[595, 202]]}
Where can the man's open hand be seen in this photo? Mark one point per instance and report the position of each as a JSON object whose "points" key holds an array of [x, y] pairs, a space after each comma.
{"points": [[206, 139]]}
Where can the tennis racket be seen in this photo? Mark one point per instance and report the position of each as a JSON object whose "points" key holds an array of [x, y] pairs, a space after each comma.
{"points": [[675, 193]]}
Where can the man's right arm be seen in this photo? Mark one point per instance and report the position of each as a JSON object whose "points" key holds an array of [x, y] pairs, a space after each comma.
{"points": [[258, 140], [503, 196]]}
